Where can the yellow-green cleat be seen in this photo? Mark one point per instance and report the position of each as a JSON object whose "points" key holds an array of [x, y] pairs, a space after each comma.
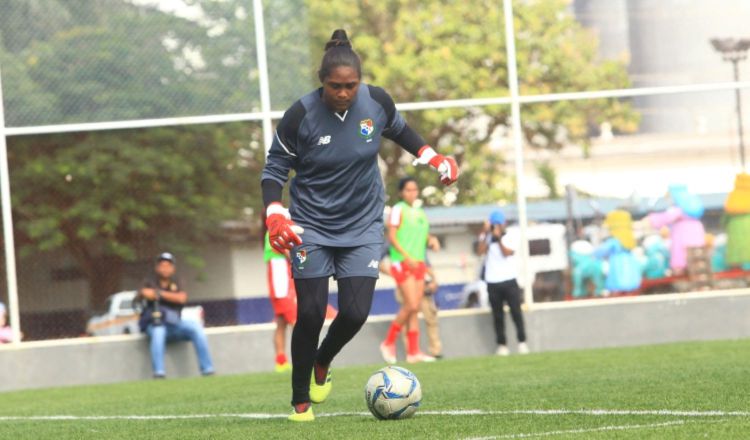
{"points": [[319, 393], [283, 368], [304, 416]]}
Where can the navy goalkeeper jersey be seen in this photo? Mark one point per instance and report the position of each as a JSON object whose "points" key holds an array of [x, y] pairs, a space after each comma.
{"points": [[337, 194]]}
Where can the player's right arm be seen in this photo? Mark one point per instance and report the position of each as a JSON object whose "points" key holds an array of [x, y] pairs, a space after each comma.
{"points": [[281, 158]]}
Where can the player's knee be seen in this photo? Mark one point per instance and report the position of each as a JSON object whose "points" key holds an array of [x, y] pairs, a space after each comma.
{"points": [[412, 307], [310, 317], [352, 317]]}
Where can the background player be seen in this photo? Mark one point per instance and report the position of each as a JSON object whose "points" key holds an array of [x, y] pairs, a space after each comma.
{"points": [[428, 307], [430, 313], [331, 139], [408, 233], [283, 299]]}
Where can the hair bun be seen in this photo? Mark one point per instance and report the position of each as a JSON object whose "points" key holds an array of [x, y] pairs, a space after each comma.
{"points": [[338, 38]]}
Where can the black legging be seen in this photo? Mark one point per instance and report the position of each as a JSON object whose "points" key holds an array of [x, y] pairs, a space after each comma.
{"points": [[355, 300], [507, 291]]}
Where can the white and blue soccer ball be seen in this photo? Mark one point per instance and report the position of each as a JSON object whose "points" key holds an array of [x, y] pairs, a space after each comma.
{"points": [[393, 393]]}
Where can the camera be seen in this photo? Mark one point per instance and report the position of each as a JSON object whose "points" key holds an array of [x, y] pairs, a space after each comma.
{"points": [[156, 316]]}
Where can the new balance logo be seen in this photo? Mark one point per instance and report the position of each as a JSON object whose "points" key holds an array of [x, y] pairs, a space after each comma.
{"points": [[373, 264], [324, 140]]}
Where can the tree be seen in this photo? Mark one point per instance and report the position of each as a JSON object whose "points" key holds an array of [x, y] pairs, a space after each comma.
{"points": [[25, 100], [548, 176], [450, 50], [111, 197]]}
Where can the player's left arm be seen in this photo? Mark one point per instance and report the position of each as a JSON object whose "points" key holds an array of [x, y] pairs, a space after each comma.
{"points": [[398, 131]]}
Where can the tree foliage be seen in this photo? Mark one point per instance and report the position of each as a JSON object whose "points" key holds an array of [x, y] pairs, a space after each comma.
{"points": [[424, 51]]}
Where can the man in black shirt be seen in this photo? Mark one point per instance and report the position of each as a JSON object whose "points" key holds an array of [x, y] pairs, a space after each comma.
{"points": [[161, 318]]}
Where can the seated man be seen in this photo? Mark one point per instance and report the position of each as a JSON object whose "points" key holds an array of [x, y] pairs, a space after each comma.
{"points": [[161, 318]]}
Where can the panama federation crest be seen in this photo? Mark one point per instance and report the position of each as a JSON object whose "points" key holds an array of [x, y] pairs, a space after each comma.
{"points": [[366, 128]]}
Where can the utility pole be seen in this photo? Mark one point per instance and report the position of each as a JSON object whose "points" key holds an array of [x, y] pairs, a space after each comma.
{"points": [[735, 50]]}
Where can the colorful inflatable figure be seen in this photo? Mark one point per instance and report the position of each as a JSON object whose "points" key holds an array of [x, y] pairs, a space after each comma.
{"points": [[656, 256], [737, 222], [585, 267], [685, 227], [624, 270], [719, 255]]}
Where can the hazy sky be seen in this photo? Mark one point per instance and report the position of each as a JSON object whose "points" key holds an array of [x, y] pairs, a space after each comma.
{"points": [[177, 7]]}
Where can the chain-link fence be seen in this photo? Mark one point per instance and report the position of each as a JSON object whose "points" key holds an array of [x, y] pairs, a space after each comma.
{"points": [[92, 61], [619, 100]]}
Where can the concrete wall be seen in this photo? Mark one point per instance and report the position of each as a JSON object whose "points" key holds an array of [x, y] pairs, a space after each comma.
{"points": [[231, 271], [577, 325]]}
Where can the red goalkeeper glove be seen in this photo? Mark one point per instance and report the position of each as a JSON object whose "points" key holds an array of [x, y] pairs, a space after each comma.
{"points": [[445, 165], [283, 234]]}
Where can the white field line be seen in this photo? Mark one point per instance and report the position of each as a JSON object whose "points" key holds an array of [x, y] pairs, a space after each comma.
{"points": [[610, 412], [470, 412], [143, 417], [580, 430]]}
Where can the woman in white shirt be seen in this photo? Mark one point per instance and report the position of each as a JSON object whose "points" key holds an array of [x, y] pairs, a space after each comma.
{"points": [[500, 272]]}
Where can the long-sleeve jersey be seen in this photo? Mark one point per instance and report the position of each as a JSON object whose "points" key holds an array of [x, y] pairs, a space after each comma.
{"points": [[337, 194]]}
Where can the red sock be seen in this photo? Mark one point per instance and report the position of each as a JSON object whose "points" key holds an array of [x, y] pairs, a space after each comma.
{"points": [[281, 358], [299, 408], [392, 334], [320, 373], [413, 342]]}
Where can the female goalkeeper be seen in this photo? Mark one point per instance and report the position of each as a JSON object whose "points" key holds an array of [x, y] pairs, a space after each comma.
{"points": [[331, 139]]}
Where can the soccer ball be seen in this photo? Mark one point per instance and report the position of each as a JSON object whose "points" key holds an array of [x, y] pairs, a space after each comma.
{"points": [[393, 393]]}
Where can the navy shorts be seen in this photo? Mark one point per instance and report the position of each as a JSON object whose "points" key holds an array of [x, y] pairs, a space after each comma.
{"points": [[316, 261]]}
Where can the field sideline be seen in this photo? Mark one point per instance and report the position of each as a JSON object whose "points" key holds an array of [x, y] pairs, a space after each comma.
{"points": [[685, 390]]}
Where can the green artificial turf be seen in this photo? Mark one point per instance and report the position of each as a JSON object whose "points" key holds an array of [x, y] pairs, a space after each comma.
{"points": [[700, 377]]}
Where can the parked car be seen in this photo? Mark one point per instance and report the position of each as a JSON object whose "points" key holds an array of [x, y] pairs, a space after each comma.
{"points": [[474, 294], [121, 316], [548, 261]]}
